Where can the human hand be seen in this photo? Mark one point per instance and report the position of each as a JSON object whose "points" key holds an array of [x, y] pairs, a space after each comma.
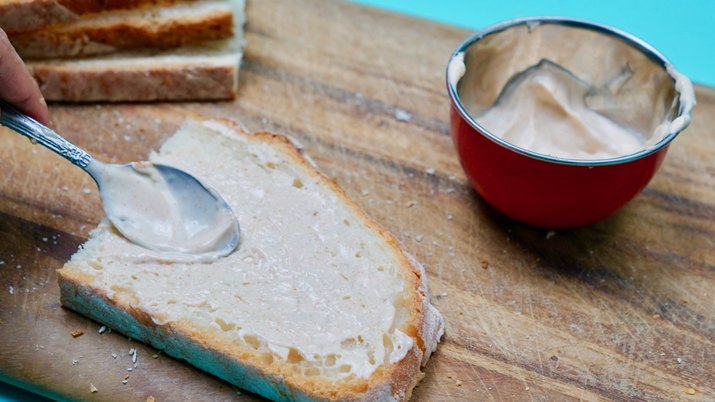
{"points": [[16, 84]]}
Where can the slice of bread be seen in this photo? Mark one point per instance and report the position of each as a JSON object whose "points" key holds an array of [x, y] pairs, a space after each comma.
{"points": [[206, 71], [317, 303], [161, 27], [25, 15], [199, 75]]}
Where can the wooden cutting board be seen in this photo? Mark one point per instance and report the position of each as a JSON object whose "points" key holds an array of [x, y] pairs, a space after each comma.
{"points": [[624, 309]]}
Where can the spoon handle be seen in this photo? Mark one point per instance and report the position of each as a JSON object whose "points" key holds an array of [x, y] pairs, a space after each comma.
{"points": [[39, 133]]}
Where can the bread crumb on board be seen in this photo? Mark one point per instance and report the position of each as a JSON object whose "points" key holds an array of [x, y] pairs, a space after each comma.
{"points": [[77, 333], [150, 399], [92, 388], [133, 354], [690, 391], [485, 264], [402, 115]]}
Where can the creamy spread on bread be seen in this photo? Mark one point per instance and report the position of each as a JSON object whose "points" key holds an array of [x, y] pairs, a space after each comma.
{"points": [[310, 283]]}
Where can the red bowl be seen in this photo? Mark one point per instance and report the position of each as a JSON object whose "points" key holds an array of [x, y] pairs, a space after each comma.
{"points": [[542, 190]]}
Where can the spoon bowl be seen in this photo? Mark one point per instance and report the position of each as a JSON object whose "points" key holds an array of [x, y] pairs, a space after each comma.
{"points": [[163, 208], [155, 206]]}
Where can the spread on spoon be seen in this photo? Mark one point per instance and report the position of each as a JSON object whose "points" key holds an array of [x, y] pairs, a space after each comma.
{"points": [[165, 209]]}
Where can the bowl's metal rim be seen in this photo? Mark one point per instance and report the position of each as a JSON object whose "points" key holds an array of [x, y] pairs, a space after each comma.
{"points": [[632, 40]]}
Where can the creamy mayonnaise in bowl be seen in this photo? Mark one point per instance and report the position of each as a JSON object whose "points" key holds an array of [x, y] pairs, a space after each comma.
{"points": [[560, 122]]}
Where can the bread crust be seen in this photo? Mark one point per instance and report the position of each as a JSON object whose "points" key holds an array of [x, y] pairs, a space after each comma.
{"points": [[159, 82], [140, 30], [82, 7], [244, 367], [24, 15]]}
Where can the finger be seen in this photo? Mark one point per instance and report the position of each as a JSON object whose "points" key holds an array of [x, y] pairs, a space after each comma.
{"points": [[17, 85]]}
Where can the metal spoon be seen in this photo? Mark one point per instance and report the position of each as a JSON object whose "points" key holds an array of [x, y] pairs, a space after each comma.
{"points": [[156, 206]]}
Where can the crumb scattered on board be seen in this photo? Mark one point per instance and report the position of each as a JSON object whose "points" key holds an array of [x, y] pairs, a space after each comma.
{"points": [[92, 388], [150, 399], [485, 264], [456, 382], [690, 391], [77, 333], [133, 354], [402, 115]]}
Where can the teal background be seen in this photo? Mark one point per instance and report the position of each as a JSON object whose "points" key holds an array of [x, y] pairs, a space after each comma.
{"points": [[683, 31], [9, 393]]}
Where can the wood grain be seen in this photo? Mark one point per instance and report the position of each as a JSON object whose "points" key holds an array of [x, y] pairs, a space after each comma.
{"points": [[621, 310]]}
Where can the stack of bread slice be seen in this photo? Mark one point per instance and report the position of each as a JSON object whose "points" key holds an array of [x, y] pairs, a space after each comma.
{"points": [[128, 50]]}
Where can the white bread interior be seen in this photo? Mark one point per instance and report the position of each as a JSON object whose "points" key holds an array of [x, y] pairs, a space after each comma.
{"points": [[317, 303]]}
